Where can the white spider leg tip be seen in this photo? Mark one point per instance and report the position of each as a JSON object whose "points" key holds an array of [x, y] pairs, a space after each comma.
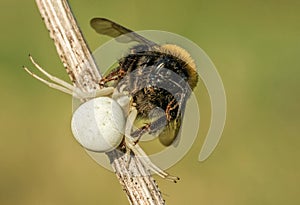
{"points": [[137, 150], [57, 83], [52, 85], [51, 77]]}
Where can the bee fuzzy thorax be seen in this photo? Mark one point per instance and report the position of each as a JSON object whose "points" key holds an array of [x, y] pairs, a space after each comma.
{"points": [[183, 55], [178, 52]]}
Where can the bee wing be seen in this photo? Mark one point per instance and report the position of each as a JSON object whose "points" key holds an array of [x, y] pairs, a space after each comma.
{"points": [[112, 29], [170, 134]]}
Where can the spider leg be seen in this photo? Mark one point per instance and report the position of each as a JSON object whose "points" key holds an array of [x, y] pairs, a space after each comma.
{"points": [[63, 86], [138, 151], [129, 124], [56, 83], [105, 91], [128, 127], [142, 156], [51, 77], [52, 85]]}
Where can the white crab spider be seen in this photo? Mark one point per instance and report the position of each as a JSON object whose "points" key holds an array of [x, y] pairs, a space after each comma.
{"points": [[101, 123]]}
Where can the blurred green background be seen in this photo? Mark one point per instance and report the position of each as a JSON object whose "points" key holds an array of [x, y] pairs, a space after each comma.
{"points": [[254, 44]]}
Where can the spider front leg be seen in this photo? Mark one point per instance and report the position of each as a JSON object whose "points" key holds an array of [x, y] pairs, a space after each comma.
{"points": [[131, 145], [65, 87]]}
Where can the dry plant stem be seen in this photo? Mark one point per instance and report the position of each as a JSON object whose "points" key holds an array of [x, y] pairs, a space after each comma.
{"points": [[139, 186], [69, 43]]}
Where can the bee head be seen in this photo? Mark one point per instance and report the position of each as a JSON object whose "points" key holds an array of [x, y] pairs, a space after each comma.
{"points": [[183, 55]]}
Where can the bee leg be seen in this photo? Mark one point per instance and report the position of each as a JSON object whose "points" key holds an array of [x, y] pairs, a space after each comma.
{"points": [[137, 134], [149, 128], [171, 106], [115, 75]]}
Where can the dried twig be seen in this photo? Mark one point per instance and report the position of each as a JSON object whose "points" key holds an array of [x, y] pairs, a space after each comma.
{"points": [[139, 186]]}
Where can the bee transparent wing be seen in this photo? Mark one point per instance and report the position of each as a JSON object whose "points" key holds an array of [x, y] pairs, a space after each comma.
{"points": [[107, 27], [171, 133]]}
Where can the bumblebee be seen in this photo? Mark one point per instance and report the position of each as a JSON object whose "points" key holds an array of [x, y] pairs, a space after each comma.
{"points": [[158, 78]]}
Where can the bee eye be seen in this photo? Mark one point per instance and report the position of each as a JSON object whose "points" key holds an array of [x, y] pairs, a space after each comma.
{"points": [[98, 125]]}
